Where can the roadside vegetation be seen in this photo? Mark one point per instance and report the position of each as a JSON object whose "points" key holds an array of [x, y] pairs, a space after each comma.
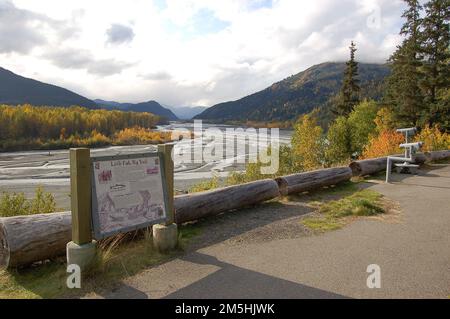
{"points": [[16, 204], [29, 127], [205, 185]]}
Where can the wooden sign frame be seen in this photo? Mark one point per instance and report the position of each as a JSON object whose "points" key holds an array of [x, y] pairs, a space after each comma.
{"points": [[98, 234]]}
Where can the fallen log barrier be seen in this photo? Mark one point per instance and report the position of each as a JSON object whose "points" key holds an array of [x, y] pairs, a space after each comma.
{"points": [[26, 239], [306, 181], [432, 156], [194, 206], [374, 165], [368, 166], [31, 238]]}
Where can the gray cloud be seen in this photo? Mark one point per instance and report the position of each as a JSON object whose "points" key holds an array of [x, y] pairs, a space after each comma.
{"points": [[118, 34], [18, 29], [83, 59], [107, 67], [21, 30]]}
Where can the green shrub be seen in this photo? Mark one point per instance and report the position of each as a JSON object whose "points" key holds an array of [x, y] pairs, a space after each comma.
{"points": [[205, 186], [16, 204]]}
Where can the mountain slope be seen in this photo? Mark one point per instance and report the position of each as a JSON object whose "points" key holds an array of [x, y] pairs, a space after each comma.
{"points": [[16, 89], [150, 106], [297, 94]]}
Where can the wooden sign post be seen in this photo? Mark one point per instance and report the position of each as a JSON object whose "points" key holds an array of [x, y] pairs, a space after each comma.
{"points": [[166, 150], [165, 237], [81, 250], [80, 190]]}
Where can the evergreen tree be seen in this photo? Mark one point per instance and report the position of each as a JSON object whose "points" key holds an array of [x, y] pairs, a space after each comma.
{"points": [[403, 94], [349, 95], [435, 42]]}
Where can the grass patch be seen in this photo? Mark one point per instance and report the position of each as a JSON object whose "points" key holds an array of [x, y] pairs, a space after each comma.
{"points": [[189, 231], [118, 257], [341, 189], [322, 224], [346, 187], [332, 214], [46, 281]]}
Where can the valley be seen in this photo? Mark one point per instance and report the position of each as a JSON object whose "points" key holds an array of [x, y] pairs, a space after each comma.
{"points": [[24, 171]]}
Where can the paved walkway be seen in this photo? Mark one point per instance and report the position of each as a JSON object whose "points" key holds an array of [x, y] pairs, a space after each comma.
{"points": [[413, 251]]}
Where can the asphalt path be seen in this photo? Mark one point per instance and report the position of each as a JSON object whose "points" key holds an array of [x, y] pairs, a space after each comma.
{"points": [[411, 248]]}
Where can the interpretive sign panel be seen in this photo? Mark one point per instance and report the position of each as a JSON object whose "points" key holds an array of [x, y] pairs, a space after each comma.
{"points": [[128, 192]]}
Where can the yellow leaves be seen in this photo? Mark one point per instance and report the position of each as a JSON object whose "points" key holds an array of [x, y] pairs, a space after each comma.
{"points": [[29, 127], [387, 141], [384, 120], [383, 144], [139, 135], [433, 139], [28, 121], [307, 142]]}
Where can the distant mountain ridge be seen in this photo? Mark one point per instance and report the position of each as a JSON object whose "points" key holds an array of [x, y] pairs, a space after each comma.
{"points": [[186, 112], [282, 101], [16, 89], [150, 106], [297, 94]]}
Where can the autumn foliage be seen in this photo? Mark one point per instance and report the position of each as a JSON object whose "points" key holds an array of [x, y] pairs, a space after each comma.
{"points": [[385, 143], [30, 127], [139, 135], [433, 138]]}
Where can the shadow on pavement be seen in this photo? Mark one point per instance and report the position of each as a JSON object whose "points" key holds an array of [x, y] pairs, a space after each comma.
{"points": [[126, 292], [415, 179], [235, 282]]}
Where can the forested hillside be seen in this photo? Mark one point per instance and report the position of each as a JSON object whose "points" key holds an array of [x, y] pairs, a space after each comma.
{"points": [[297, 94], [16, 89]]}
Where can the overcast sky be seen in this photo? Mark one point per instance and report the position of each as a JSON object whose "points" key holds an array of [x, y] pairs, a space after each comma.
{"points": [[187, 52]]}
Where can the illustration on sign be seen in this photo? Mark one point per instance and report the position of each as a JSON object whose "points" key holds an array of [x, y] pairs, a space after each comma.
{"points": [[128, 193]]}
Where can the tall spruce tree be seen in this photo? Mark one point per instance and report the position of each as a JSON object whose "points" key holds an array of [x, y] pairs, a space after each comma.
{"points": [[349, 94], [435, 44], [403, 94]]}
